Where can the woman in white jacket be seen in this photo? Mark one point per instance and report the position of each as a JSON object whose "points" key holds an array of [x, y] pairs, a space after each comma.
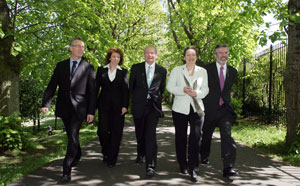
{"points": [[188, 83]]}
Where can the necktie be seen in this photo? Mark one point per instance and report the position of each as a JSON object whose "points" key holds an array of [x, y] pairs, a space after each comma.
{"points": [[73, 68], [149, 79], [221, 84]]}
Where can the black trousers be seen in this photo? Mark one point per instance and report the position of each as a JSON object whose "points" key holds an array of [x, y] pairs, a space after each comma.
{"points": [[145, 131], [110, 131], [72, 125], [223, 120], [181, 122]]}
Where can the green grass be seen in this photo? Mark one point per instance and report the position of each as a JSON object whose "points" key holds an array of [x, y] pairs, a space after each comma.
{"points": [[40, 150], [268, 139]]}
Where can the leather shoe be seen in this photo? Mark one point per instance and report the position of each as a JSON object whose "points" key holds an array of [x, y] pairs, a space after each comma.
{"points": [[105, 158], [205, 161], [110, 165], [194, 176], [150, 172], [65, 179], [228, 172], [183, 170], [139, 159]]}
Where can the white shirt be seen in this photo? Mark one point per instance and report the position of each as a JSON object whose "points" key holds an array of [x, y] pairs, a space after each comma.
{"points": [[224, 69], [152, 69], [112, 74]]}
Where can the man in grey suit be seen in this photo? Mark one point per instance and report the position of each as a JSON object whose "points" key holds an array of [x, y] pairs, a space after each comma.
{"points": [[76, 100], [147, 83], [219, 111]]}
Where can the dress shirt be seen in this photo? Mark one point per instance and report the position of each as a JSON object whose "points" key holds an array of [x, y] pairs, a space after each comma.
{"points": [[71, 63], [152, 68], [112, 74], [224, 69]]}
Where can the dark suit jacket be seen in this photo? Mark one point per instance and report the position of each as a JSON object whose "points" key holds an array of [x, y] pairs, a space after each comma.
{"points": [[211, 101], [80, 90], [139, 88], [113, 94]]}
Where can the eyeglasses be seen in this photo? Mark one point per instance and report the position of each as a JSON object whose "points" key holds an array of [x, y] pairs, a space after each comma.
{"points": [[79, 46]]}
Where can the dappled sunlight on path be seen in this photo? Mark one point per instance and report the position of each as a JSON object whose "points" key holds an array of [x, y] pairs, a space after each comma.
{"points": [[254, 167]]}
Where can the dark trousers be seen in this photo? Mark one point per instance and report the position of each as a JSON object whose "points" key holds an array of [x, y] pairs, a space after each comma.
{"points": [[72, 124], [145, 131], [223, 120], [110, 131], [181, 122]]}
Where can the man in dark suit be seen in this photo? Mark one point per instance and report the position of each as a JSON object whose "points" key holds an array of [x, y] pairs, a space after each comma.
{"points": [[76, 100], [219, 111], [147, 83]]}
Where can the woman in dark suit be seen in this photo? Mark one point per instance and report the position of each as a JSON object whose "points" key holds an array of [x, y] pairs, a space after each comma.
{"points": [[112, 104]]}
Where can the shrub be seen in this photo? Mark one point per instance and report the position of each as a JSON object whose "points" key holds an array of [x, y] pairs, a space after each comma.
{"points": [[11, 133]]}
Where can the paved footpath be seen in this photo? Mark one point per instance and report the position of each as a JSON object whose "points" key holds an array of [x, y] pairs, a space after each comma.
{"points": [[254, 167]]}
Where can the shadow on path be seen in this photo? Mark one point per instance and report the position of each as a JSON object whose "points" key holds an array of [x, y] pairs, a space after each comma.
{"points": [[254, 167]]}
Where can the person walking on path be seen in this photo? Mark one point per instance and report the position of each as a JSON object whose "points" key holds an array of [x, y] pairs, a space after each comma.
{"points": [[188, 83], [112, 104], [75, 102], [219, 111], [146, 84]]}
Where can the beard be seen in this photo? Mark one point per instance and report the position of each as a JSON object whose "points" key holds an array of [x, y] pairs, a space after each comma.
{"points": [[222, 60]]}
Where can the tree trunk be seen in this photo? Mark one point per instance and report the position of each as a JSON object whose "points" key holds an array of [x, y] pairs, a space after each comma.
{"points": [[292, 75], [9, 66]]}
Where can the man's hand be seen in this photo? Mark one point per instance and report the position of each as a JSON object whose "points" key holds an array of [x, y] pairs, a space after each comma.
{"points": [[44, 110], [124, 110], [89, 118]]}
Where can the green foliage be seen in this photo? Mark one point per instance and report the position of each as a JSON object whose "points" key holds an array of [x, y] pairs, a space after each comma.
{"points": [[11, 134], [295, 146], [257, 82], [31, 92], [39, 150]]}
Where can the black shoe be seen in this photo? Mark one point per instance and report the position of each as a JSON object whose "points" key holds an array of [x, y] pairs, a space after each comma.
{"points": [[228, 172], [205, 161], [105, 158], [111, 165], [194, 176], [150, 172], [139, 159], [65, 179], [183, 170]]}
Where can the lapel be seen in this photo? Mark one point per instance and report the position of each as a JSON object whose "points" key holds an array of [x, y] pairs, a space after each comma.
{"points": [[105, 75], [194, 77], [144, 76], [156, 75], [118, 75], [67, 69], [78, 72], [227, 80], [66, 72], [216, 77]]}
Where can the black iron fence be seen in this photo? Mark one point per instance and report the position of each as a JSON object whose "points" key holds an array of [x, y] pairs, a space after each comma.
{"points": [[263, 91]]}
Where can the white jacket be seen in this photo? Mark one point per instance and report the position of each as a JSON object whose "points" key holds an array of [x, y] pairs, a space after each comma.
{"points": [[176, 84]]}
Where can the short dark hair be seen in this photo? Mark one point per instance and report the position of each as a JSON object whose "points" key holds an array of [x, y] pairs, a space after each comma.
{"points": [[221, 46], [190, 47], [116, 50], [74, 39]]}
